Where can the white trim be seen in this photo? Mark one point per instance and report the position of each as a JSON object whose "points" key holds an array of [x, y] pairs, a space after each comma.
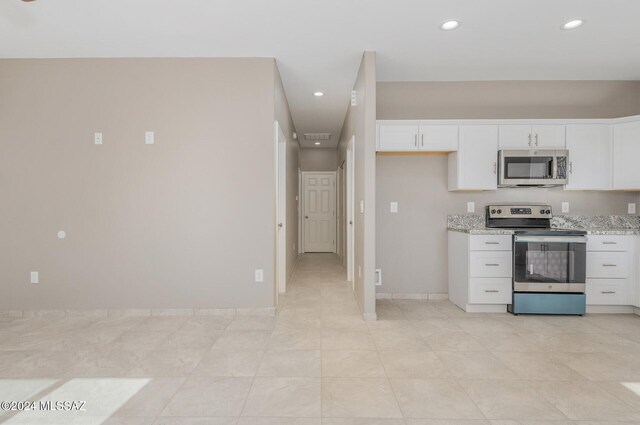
{"points": [[411, 296], [281, 210], [610, 309], [302, 203], [350, 211], [162, 312], [369, 317]]}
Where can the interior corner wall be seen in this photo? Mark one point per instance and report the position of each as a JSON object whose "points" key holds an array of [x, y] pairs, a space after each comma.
{"points": [[169, 225], [412, 244], [283, 116], [318, 159], [360, 122]]}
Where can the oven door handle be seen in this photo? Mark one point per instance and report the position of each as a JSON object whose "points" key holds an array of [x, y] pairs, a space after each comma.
{"points": [[550, 239]]}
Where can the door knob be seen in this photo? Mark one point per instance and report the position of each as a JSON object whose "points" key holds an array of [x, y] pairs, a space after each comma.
{"points": [[350, 221], [279, 224], [306, 216]]}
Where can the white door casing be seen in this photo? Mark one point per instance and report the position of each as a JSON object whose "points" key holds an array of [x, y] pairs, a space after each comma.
{"points": [[319, 219], [281, 209], [350, 218]]}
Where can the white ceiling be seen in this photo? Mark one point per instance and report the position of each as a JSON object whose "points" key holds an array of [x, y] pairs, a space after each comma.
{"points": [[318, 43]]}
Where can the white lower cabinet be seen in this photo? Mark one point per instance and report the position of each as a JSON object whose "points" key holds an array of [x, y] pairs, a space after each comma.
{"points": [[480, 270], [612, 270]]}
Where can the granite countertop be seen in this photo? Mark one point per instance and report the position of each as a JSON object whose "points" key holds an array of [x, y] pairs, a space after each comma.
{"points": [[474, 224]]}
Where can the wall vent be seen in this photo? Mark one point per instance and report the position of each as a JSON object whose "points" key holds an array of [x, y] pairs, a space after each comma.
{"points": [[317, 136]]}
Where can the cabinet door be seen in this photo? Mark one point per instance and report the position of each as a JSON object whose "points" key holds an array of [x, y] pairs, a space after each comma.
{"points": [[397, 137], [476, 159], [626, 151], [589, 148], [515, 137], [439, 138], [548, 136]]}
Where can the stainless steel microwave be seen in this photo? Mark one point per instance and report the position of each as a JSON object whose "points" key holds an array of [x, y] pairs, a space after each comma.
{"points": [[530, 167]]}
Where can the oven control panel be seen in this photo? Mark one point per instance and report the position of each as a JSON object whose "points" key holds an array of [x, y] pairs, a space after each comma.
{"points": [[518, 211]]}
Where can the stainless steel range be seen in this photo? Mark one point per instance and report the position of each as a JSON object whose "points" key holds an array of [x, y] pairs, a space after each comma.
{"points": [[549, 265]]}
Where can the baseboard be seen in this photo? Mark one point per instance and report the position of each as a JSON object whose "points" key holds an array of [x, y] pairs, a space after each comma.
{"points": [[168, 312], [610, 309], [411, 296], [370, 317]]}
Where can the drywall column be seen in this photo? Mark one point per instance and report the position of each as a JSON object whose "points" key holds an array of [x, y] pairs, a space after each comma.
{"points": [[360, 122]]}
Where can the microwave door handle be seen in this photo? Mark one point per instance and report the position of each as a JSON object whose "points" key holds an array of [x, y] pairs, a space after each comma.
{"points": [[554, 167]]}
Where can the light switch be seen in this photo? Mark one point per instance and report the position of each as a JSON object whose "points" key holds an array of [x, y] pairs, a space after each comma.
{"points": [[471, 207], [565, 207], [631, 208], [97, 138], [149, 138], [361, 207], [394, 207], [259, 275], [34, 277]]}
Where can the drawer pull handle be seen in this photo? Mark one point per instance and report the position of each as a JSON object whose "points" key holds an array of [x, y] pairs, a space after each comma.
{"points": [[609, 265], [609, 243], [492, 265], [491, 290], [608, 292], [492, 243]]}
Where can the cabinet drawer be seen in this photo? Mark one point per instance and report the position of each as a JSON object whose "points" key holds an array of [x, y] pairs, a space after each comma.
{"points": [[609, 243], [606, 291], [490, 264], [607, 265], [490, 291], [490, 243]]}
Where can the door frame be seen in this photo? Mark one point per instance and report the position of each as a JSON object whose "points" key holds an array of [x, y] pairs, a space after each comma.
{"points": [[303, 204], [281, 209], [350, 210]]}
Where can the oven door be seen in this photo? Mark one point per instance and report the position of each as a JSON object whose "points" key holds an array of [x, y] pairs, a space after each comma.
{"points": [[549, 263], [528, 168]]}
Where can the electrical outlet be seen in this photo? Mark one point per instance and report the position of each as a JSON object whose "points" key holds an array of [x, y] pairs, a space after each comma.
{"points": [[354, 98], [259, 275], [631, 208], [34, 277], [565, 207], [149, 138], [97, 138], [394, 207], [361, 207], [471, 207], [359, 271], [378, 277]]}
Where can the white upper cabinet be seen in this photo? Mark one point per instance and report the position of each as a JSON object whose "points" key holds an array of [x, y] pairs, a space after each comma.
{"points": [[439, 138], [515, 136], [412, 136], [626, 151], [398, 136], [590, 147], [538, 136], [474, 165]]}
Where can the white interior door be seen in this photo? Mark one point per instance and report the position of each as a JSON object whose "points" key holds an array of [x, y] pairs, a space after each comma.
{"points": [[319, 212], [281, 207], [350, 210]]}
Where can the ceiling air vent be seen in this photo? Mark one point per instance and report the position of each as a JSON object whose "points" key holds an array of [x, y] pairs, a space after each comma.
{"points": [[317, 136]]}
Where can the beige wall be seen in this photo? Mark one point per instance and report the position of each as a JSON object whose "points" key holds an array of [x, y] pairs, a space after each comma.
{"points": [[171, 225], [412, 245], [360, 123], [283, 116], [324, 159], [507, 99]]}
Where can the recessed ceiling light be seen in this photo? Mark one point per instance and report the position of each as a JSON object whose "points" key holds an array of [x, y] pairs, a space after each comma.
{"points": [[318, 94], [449, 25], [316, 143], [571, 25]]}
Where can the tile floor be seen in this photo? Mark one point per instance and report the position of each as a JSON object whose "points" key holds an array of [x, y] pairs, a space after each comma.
{"points": [[421, 363]]}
